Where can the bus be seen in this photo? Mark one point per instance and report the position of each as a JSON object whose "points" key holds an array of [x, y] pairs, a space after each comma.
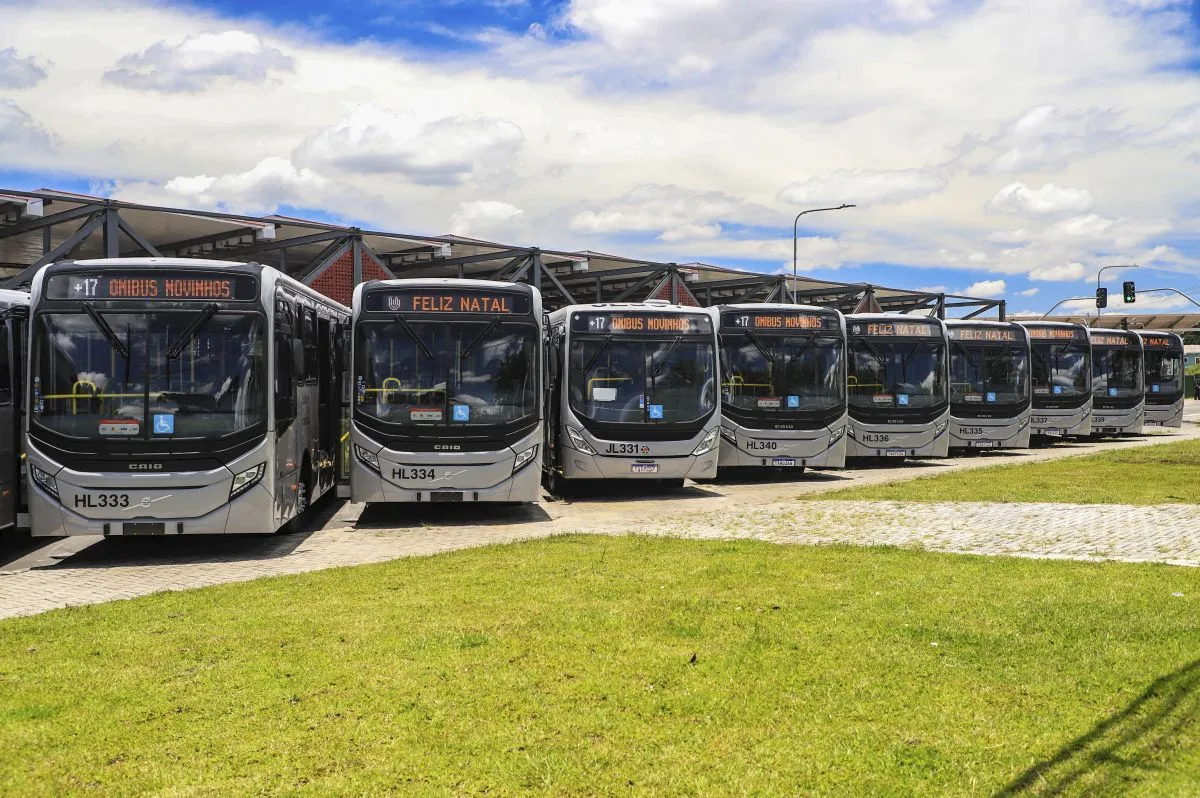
{"points": [[783, 386], [990, 391], [1118, 382], [632, 394], [14, 315], [1061, 361], [447, 391], [898, 386], [1165, 387], [176, 396]]}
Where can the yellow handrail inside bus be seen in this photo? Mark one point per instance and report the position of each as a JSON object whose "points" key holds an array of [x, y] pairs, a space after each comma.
{"points": [[605, 379], [75, 393], [852, 382]]}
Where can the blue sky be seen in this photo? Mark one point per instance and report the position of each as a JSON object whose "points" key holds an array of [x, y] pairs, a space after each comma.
{"points": [[990, 147]]}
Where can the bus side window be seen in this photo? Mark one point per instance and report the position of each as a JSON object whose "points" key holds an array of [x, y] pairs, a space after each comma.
{"points": [[285, 373], [5, 370], [311, 369]]}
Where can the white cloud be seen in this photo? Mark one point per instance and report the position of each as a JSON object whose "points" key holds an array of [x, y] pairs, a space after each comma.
{"points": [[19, 72], [986, 288], [1097, 231], [1049, 138], [484, 218], [196, 62], [1018, 199], [441, 152], [259, 190], [864, 187], [19, 132], [1029, 292], [1060, 273], [671, 210]]}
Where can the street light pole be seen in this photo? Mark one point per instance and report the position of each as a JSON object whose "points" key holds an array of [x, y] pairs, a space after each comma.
{"points": [[796, 240], [1115, 266]]}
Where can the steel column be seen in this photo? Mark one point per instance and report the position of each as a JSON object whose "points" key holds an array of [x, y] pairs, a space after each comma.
{"points": [[112, 233]]}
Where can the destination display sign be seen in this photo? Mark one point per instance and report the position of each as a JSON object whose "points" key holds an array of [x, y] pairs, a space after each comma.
{"points": [[1111, 339], [449, 300], [1159, 342], [781, 321], [156, 285], [634, 323], [896, 329], [1058, 334], [986, 335]]}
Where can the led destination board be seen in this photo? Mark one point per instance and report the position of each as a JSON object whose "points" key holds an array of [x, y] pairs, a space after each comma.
{"points": [[985, 335], [616, 323], [895, 329], [1159, 342], [1108, 339], [183, 286], [426, 300], [784, 322], [1057, 334]]}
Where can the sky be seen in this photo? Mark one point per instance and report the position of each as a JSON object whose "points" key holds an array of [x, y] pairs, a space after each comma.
{"points": [[998, 148]]}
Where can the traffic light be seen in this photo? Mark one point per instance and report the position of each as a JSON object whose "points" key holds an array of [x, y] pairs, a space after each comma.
{"points": [[1130, 292], [1101, 298]]}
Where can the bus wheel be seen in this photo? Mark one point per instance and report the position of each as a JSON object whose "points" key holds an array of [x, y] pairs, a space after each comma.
{"points": [[304, 489], [556, 486]]}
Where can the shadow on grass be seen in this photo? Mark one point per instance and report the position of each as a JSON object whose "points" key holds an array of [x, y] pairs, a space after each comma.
{"points": [[191, 549], [1124, 746], [760, 475], [409, 515]]}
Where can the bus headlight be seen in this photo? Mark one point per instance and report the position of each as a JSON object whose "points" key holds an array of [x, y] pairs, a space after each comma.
{"points": [[368, 459], [45, 480], [578, 442], [836, 435], [247, 480], [525, 458], [708, 444], [1023, 424], [729, 435], [940, 428]]}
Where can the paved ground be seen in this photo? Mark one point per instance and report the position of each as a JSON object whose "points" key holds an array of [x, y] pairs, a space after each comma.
{"points": [[36, 575]]}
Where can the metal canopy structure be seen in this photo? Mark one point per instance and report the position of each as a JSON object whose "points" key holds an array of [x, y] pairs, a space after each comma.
{"points": [[1139, 321], [41, 227]]}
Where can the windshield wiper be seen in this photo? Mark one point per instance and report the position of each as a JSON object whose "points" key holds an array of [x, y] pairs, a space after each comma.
{"points": [[661, 367], [113, 341], [758, 344], [495, 322], [873, 352], [801, 351], [967, 352], [201, 319], [603, 345], [404, 325]]}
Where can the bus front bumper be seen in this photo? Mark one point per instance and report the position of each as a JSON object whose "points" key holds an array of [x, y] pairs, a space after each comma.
{"points": [[988, 433], [818, 448]]}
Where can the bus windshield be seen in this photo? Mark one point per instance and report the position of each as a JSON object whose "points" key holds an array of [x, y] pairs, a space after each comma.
{"points": [[1164, 373], [643, 381], [439, 373], [1061, 370], [149, 376], [1117, 373], [778, 374], [894, 373], [982, 374]]}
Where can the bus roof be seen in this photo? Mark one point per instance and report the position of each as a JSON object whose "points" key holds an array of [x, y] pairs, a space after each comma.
{"points": [[781, 306]]}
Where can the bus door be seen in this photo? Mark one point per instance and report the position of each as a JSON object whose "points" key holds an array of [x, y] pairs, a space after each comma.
{"points": [[553, 393], [10, 448], [327, 410]]}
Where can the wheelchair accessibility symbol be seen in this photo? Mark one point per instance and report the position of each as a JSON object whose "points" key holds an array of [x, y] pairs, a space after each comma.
{"points": [[164, 424]]}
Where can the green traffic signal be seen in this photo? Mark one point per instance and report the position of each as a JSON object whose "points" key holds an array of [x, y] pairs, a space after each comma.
{"points": [[1130, 292]]}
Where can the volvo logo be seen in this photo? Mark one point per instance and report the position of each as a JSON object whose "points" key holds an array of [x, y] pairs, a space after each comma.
{"points": [[447, 447], [145, 466]]}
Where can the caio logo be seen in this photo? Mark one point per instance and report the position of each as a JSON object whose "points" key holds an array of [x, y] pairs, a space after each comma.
{"points": [[145, 466], [447, 447]]}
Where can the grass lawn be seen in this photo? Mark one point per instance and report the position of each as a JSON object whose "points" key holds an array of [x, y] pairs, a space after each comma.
{"points": [[590, 665], [1168, 473]]}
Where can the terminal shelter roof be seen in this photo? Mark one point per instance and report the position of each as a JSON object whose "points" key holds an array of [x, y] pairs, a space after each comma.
{"points": [[46, 226], [1133, 321]]}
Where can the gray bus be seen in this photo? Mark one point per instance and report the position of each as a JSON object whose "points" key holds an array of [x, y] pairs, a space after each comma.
{"points": [[173, 396], [783, 386], [1061, 359], [632, 393], [447, 391], [1165, 389], [990, 391], [1118, 382], [898, 386], [14, 315]]}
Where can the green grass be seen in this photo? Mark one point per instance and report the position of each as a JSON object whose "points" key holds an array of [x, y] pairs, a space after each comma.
{"points": [[1167, 473], [583, 665]]}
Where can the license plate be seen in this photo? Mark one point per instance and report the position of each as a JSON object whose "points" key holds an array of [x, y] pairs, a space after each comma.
{"points": [[143, 528], [896, 452], [1052, 431], [983, 444], [446, 496], [644, 468], [783, 461]]}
